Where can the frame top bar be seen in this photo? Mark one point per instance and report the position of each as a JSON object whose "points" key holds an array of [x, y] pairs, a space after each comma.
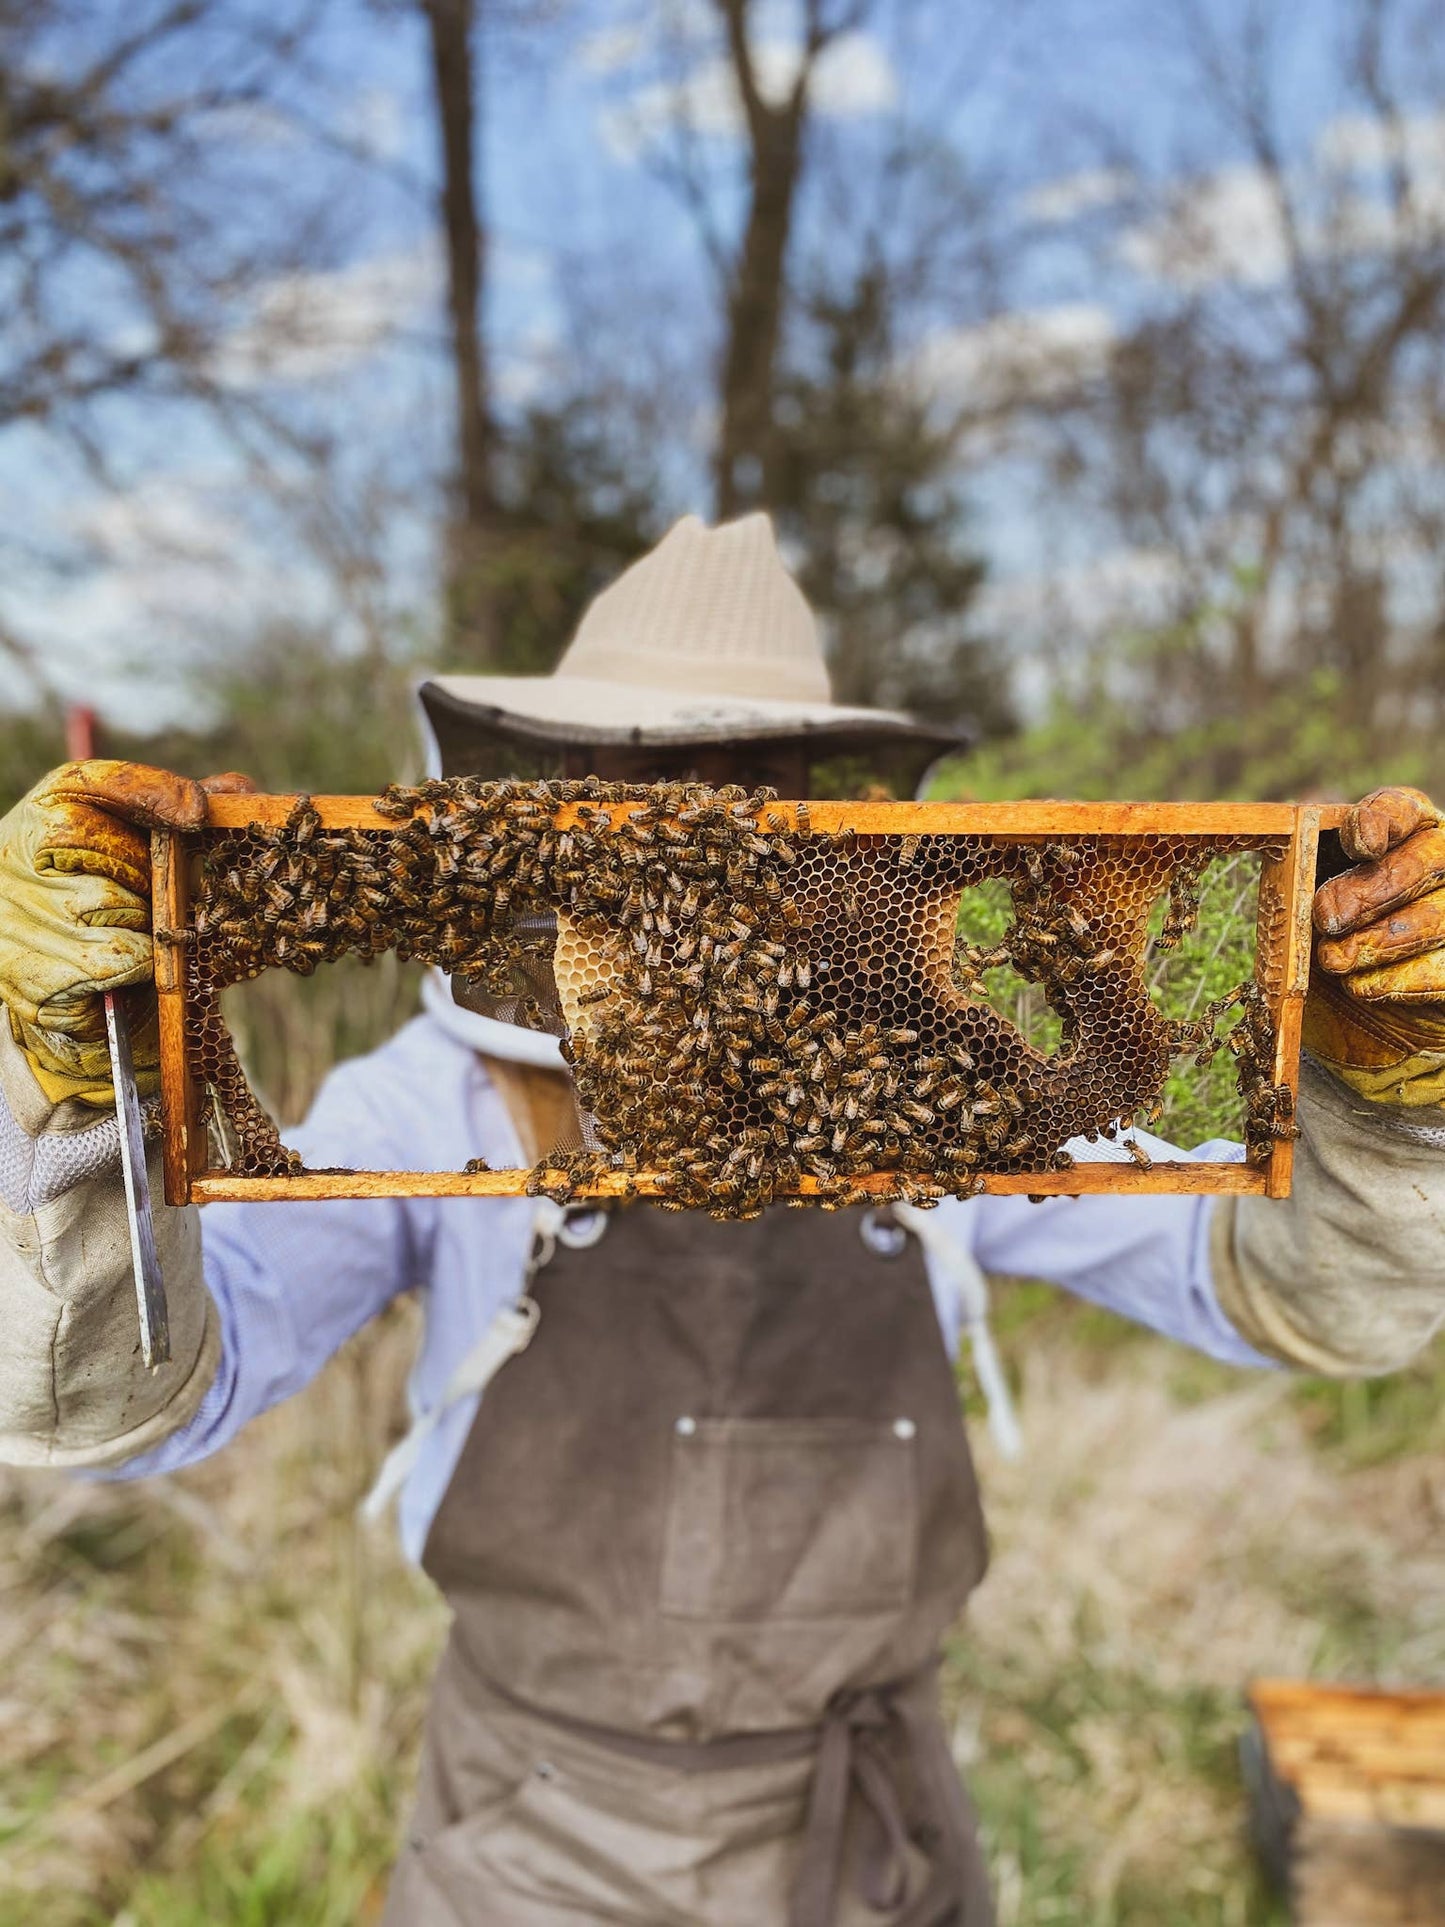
{"points": [[1025, 819]]}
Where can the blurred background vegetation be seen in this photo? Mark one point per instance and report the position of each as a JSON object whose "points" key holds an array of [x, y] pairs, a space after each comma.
{"points": [[1090, 358]]}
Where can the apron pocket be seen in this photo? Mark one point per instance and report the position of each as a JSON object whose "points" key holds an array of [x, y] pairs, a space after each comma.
{"points": [[790, 1519]]}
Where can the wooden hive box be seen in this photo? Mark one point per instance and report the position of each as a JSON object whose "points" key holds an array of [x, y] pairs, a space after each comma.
{"points": [[1348, 1790]]}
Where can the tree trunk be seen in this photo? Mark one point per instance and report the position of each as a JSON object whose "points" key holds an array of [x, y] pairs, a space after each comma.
{"points": [[755, 315], [756, 299], [470, 537]]}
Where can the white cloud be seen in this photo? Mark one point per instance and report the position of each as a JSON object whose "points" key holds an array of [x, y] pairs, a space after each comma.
{"points": [[314, 324], [1132, 582], [853, 80], [164, 515], [248, 123], [1026, 355], [1074, 194], [375, 124], [674, 23], [1228, 226], [524, 370], [172, 564], [1362, 141], [611, 49], [1222, 227]]}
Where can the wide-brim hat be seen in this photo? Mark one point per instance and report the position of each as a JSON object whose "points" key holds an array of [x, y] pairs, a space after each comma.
{"points": [[706, 640]]}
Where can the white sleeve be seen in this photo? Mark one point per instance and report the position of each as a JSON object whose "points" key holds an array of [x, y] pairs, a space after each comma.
{"points": [[1145, 1257], [1346, 1276], [293, 1280]]}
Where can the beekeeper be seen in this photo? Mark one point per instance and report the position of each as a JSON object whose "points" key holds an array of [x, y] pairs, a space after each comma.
{"points": [[707, 1527]]}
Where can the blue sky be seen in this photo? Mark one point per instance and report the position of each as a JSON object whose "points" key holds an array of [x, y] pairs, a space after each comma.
{"points": [[1032, 95]]}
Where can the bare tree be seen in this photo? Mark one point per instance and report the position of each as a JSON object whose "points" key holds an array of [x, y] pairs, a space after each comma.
{"points": [[1267, 431], [829, 247], [776, 129], [121, 139], [166, 217], [471, 534]]}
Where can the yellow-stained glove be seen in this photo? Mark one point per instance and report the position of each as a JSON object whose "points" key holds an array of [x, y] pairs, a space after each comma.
{"points": [[1376, 1008], [75, 913]]}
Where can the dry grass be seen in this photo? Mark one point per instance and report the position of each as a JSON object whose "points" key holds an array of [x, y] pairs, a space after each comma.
{"points": [[215, 1683], [1173, 1531]]}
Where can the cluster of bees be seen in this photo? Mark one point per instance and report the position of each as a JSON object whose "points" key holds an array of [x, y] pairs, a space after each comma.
{"points": [[1269, 1107], [754, 1010]]}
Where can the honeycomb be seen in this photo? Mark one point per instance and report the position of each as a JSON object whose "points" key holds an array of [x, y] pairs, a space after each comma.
{"points": [[752, 1008]]}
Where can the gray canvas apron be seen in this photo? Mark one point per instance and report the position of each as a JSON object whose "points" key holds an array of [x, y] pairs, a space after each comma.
{"points": [[702, 1544]]}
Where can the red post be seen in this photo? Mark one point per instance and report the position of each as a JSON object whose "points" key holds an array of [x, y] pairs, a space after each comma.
{"points": [[79, 732]]}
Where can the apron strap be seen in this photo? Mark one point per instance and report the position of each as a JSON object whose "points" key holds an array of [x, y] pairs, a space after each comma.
{"points": [[963, 1271], [509, 1332], [864, 1739], [858, 1754]]}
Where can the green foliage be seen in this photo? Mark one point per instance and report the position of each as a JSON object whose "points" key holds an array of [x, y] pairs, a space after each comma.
{"points": [[314, 1869], [1215, 957], [1094, 743], [575, 508], [863, 486], [1212, 960], [1041, 1740], [1370, 1421], [295, 710], [31, 742]]}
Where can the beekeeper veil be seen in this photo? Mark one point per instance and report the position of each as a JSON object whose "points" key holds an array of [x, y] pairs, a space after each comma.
{"points": [[704, 645]]}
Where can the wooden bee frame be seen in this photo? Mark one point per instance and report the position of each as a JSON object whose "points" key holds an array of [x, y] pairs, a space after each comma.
{"points": [[1282, 962]]}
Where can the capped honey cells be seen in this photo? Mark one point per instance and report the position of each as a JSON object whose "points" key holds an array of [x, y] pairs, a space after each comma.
{"points": [[753, 1009]]}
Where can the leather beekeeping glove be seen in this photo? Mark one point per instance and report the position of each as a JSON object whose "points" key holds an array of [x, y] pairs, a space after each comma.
{"points": [[1344, 1275], [1376, 1008], [75, 913]]}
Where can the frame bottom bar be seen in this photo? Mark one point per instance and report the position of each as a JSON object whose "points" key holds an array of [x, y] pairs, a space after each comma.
{"points": [[1081, 1180]]}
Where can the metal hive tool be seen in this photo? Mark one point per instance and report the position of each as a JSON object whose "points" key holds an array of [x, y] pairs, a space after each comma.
{"points": [[760, 1000]]}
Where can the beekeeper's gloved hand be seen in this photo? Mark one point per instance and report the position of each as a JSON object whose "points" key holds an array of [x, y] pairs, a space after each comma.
{"points": [[75, 913], [1344, 1275], [1376, 1008]]}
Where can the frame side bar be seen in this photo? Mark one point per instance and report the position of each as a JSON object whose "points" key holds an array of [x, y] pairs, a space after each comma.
{"points": [[183, 1137], [1296, 887]]}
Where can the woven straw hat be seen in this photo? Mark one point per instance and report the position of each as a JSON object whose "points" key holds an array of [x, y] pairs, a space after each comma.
{"points": [[706, 639]]}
